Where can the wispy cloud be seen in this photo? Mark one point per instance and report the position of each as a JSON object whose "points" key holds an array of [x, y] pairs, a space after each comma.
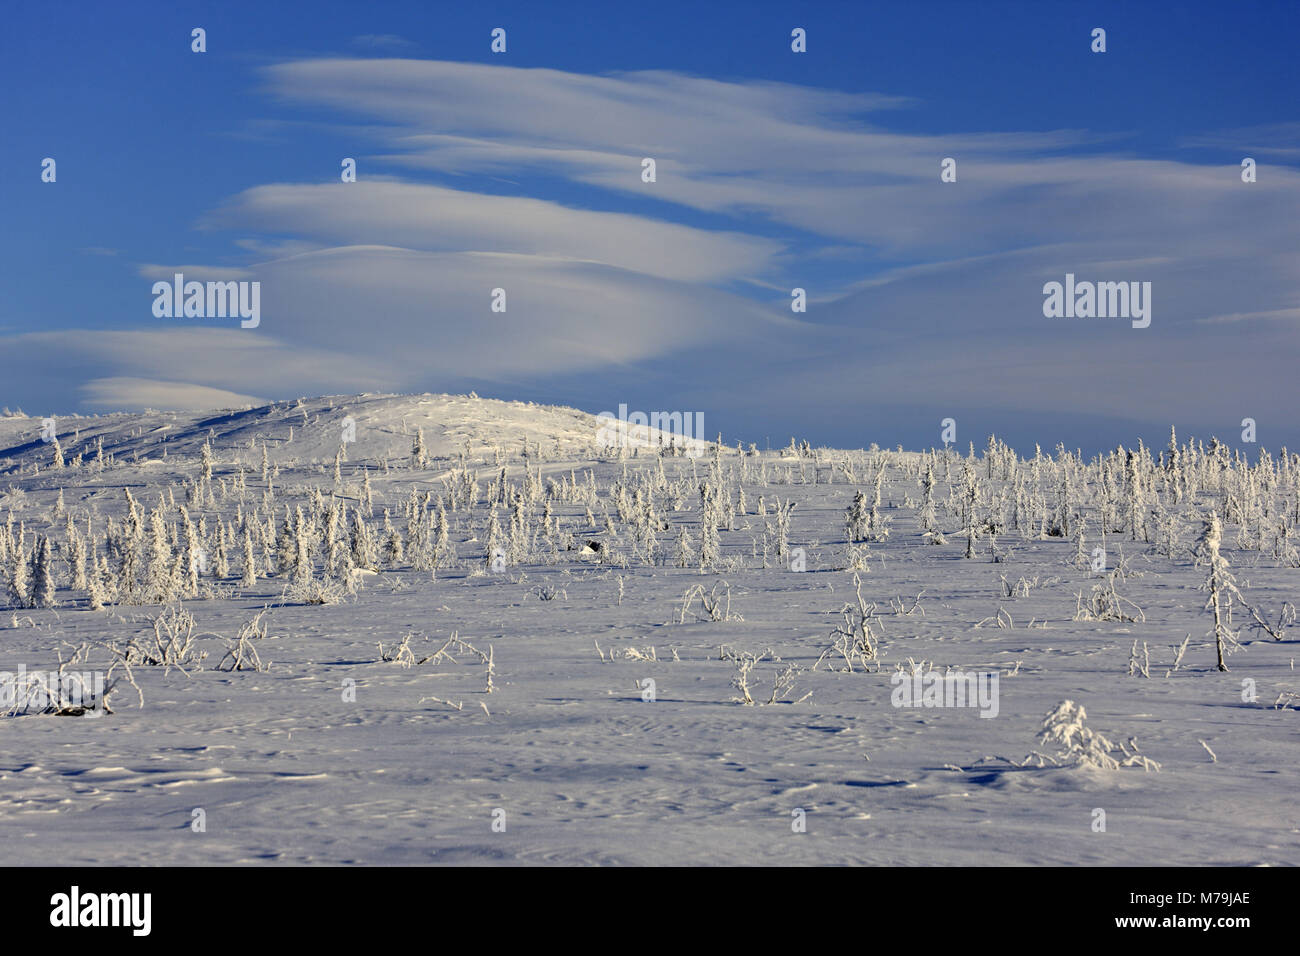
{"points": [[123, 394], [924, 294], [433, 218], [381, 41]]}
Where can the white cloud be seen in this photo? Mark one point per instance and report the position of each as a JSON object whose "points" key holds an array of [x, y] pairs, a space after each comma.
{"points": [[385, 284], [437, 219], [121, 394], [196, 272], [381, 41]]}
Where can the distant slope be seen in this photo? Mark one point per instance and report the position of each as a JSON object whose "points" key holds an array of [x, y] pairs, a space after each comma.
{"points": [[310, 429]]}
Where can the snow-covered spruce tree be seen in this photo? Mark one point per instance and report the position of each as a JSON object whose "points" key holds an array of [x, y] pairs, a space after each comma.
{"points": [[1221, 586], [1172, 460], [518, 537], [495, 544], [329, 535], [969, 502], [76, 557], [649, 542], [130, 547], [19, 583], [286, 545], [533, 486], [367, 494], [265, 541], [685, 548], [927, 517], [393, 550], [877, 524], [419, 457], [710, 545], [549, 528], [1137, 480], [220, 553], [95, 590], [782, 512], [160, 577], [108, 580], [43, 575], [857, 525], [442, 550], [1168, 531], [343, 566], [1061, 522], [339, 562], [249, 578], [302, 548], [191, 556], [419, 539], [363, 550], [414, 511]]}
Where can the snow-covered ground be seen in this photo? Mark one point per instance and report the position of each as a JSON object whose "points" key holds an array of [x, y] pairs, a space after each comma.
{"points": [[334, 755]]}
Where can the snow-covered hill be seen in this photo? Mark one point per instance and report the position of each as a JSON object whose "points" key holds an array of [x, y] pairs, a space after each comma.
{"points": [[310, 430]]}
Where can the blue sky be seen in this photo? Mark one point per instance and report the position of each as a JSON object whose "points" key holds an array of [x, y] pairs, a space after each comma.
{"points": [[775, 170]]}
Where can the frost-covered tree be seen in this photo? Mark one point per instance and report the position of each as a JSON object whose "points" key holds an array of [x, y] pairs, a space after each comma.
{"points": [[495, 544], [190, 556], [160, 574], [20, 594], [286, 544], [363, 549], [969, 503], [927, 516], [877, 524], [367, 494], [221, 554], [685, 548], [419, 456], [856, 519], [1221, 585], [43, 575], [97, 591], [249, 578], [393, 550], [302, 547], [710, 545], [442, 550], [76, 557]]}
